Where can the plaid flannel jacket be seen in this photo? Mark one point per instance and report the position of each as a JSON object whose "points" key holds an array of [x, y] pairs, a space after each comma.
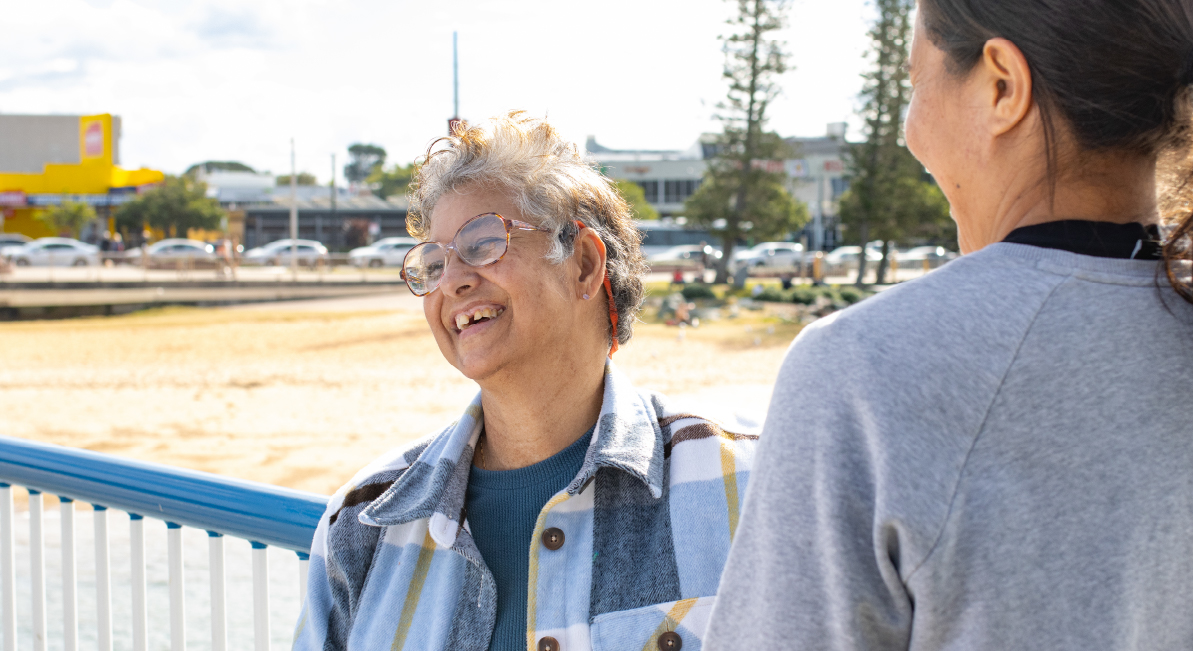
{"points": [[648, 522]]}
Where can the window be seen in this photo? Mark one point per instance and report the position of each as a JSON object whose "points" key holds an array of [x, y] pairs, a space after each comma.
{"points": [[650, 189], [679, 191], [840, 185]]}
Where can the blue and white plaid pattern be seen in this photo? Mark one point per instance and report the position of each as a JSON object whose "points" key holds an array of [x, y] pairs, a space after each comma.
{"points": [[648, 522]]}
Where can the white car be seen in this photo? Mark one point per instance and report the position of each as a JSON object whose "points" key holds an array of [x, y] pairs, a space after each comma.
{"points": [[780, 255], [844, 258], [53, 252], [170, 252], [687, 256], [934, 255], [389, 252], [308, 252]]}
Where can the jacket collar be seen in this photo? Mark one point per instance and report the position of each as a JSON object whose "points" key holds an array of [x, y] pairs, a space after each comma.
{"points": [[627, 438]]}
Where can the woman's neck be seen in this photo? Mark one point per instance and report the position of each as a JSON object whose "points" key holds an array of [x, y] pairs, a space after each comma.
{"points": [[1119, 189], [533, 418]]}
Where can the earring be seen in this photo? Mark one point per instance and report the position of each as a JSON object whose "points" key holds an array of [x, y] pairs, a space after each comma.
{"points": [[586, 297]]}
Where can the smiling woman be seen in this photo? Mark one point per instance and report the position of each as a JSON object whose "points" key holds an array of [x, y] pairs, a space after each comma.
{"points": [[565, 509]]}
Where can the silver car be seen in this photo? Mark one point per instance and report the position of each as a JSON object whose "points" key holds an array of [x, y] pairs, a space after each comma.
{"points": [[53, 252], [309, 253], [389, 252], [175, 251]]}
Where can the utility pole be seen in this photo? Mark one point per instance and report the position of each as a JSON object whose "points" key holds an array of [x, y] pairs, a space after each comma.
{"points": [[293, 213], [333, 191], [455, 85]]}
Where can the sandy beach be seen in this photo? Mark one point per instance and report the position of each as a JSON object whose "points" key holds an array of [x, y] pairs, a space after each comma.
{"points": [[304, 394]]}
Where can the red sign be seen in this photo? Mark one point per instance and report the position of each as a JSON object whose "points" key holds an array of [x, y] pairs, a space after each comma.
{"points": [[13, 198], [93, 139], [834, 166]]}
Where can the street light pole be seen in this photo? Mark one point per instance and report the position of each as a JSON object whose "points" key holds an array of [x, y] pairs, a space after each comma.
{"points": [[293, 213]]}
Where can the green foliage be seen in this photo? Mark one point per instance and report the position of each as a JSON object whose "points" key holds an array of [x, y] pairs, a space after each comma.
{"points": [[851, 295], [837, 296], [363, 160], [737, 196], [804, 295], [70, 217], [633, 194], [178, 204], [304, 178], [697, 291], [391, 182]]}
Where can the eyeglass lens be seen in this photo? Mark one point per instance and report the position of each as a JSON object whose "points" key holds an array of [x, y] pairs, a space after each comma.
{"points": [[479, 242]]}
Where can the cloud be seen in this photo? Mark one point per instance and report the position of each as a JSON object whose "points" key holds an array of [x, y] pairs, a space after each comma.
{"points": [[54, 72], [234, 28]]}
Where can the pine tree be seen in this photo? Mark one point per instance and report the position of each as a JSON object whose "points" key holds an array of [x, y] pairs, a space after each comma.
{"points": [[738, 194], [890, 196]]}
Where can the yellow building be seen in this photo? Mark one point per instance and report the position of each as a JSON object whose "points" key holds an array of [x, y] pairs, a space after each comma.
{"points": [[87, 173]]}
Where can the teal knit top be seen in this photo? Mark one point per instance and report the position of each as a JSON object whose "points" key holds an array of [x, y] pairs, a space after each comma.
{"points": [[503, 507]]}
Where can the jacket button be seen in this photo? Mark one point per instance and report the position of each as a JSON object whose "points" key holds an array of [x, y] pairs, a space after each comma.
{"points": [[553, 538], [548, 644], [670, 641]]}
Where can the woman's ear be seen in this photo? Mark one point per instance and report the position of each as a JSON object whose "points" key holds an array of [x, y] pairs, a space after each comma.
{"points": [[1006, 85], [590, 257]]}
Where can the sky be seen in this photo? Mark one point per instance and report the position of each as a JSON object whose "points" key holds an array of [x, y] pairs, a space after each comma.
{"points": [[197, 80]]}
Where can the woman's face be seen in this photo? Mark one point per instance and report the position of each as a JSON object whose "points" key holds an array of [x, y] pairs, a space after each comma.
{"points": [[535, 312]]}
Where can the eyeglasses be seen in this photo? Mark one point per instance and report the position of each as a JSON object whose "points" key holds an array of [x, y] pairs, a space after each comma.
{"points": [[480, 242]]}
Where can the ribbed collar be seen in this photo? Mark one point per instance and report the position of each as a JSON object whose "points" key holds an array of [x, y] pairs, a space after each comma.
{"points": [[627, 437]]}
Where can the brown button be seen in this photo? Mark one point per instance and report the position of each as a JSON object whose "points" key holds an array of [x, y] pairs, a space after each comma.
{"points": [[553, 539], [670, 641], [548, 644]]}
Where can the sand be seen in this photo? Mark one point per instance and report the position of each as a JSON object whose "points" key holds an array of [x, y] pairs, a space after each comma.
{"points": [[303, 396]]}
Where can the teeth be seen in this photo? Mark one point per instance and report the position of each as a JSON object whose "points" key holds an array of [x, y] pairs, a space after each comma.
{"points": [[465, 320]]}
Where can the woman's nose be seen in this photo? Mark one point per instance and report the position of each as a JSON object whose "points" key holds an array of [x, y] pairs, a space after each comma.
{"points": [[458, 277]]}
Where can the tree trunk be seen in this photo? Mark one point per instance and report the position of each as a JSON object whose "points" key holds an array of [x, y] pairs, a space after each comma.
{"points": [[880, 276], [727, 243], [864, 231]]}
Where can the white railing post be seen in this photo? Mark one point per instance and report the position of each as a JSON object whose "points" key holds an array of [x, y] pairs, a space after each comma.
{"points": [[70, 586], [304, 563], [177, 604], [37, 562], [219, 608], [103, 579], [136, 537], [8, 570], [260, 597]]}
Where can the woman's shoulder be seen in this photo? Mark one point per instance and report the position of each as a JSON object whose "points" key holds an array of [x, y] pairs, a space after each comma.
{"points": [[708, 432], [375, 478]]}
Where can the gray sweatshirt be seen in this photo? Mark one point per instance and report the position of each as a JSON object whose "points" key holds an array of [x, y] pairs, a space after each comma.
{"points": [[997, 456]]}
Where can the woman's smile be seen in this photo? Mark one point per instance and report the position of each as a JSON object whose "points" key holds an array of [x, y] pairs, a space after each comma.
{"points": [[477, 319]]}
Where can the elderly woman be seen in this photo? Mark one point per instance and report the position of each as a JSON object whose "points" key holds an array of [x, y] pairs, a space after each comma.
{"points": [[1000, 455], [565, 509]]}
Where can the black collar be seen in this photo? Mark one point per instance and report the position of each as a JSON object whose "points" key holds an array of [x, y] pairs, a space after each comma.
{"points": [[1132, 241]]}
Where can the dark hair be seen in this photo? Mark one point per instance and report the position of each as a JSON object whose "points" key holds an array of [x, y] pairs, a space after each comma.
{"points": [[1118, 72]]}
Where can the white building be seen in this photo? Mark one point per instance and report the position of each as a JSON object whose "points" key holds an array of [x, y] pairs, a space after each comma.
{"points": [[668, 178]]}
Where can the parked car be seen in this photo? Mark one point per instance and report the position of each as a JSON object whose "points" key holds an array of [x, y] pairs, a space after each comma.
{"points": [[13, 239], [389, 252], [934, 255], [771, 255], [686, 257], [175, 251], [843, 259], [309, 253], [53, 252]]}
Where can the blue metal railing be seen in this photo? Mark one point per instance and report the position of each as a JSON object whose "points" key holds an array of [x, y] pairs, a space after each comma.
{"points": [[276, 516], [262, 514]]}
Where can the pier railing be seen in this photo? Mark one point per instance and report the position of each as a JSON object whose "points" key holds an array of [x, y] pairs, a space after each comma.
{"points": [[262, 514]]}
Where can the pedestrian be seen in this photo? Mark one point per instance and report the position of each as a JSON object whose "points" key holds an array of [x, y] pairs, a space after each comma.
{"points": [[565, 509], [999, 455]]}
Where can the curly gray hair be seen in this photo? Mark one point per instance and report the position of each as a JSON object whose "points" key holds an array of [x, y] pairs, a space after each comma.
{"points": [[545, 176]]}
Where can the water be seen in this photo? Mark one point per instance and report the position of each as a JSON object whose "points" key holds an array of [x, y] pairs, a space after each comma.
{"points": [[285, 601]]}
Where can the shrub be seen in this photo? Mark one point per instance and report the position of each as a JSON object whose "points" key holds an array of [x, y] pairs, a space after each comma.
{"points": [[773, 295], [851, 295], [698, 291], [803, 295]]}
